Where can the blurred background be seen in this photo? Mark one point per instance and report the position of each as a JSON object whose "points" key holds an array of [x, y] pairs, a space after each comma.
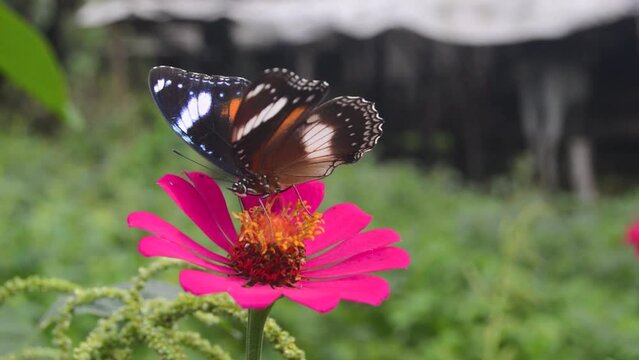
{"points": [[509, 162]]}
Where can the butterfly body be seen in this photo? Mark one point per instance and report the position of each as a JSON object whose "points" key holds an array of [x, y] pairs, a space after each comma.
{"points": [[252, 184], [269, 135]]}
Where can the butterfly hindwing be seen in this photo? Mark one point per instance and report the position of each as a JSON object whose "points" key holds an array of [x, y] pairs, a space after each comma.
{"points": [[337, 132], [271, 134], [201, 109], [274, 102]]}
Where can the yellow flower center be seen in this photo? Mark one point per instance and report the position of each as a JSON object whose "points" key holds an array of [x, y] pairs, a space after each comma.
{"points": [[270, 249]]}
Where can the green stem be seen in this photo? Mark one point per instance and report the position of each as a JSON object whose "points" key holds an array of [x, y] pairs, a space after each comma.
{"points": [[255, 332]]}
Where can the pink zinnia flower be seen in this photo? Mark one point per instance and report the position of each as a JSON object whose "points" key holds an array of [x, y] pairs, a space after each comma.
{"points": [[281, 250], [633, 236]]}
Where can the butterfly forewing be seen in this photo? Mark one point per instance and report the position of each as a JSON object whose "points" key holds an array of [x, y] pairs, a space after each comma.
{"points": [[337, 132], [271, 134], [274, 103], [201, 109]]}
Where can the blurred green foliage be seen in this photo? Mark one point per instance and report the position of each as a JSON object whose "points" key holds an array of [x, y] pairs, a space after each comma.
{"points": [[141, 313], [26, 58], [501, 271]]}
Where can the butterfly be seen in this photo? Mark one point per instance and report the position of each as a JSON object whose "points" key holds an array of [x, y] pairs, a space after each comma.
{"points": [[269, 135]]}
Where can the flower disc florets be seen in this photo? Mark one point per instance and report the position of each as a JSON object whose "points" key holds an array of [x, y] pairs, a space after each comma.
{"points": [[270, 249]]}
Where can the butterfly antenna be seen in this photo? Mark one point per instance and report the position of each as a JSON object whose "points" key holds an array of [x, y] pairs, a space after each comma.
{"points": [[191, 160], [212, 170]]}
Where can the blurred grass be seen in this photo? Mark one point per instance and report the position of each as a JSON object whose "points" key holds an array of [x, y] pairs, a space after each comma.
{"points": [[501, 271]]}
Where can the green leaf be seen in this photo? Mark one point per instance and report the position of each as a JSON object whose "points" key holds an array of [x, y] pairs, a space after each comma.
{"points": [[26, 58]]}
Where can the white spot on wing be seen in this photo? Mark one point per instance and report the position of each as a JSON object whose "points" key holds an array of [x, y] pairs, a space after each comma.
{"points": [[192, 106], [255, 91], [267, 113], [325, 151], [240, 132], [317, 141], [250, 124], [158, 86], [313, 118], [185, 122], [274, 109], [196, 108], [203, 103]]}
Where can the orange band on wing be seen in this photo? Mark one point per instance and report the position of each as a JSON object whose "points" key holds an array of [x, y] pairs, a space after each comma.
{"points": [[289, 121], [282, 130], [234, 105]]}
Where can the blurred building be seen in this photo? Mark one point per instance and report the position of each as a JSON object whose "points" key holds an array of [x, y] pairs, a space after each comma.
{"points": [[473, 83]]}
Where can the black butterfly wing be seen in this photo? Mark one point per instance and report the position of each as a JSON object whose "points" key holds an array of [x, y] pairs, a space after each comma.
{"points": [[274, 102], [339, 131], [201, 109]]}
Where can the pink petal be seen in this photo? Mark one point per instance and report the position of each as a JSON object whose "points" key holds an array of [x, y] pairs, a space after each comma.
{"points": [[341, 222], [385, 258], [152, 246], [199, 282], [320, 300], [214, 199], [360, 243], [203, 283], [633, 232], [366, 289], [190, 201], [312, 192], [255, 297], [154, 224], [251, 201]]}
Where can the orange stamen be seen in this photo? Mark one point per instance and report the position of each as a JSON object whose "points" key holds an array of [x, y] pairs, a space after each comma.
{"points": [[270, 249]]}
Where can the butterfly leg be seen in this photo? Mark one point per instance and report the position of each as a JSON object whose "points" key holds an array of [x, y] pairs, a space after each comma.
{"points": [[301, 200]]}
